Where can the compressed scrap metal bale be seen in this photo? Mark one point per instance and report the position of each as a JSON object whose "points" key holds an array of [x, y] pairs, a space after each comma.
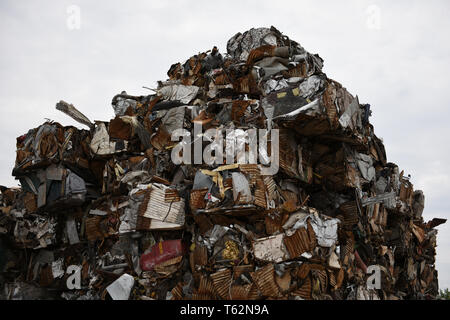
{"points": [[105, 213]]}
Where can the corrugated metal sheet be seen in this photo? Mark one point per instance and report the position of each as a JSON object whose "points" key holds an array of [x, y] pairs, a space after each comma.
{"points": [[206, 286], [254, 293], [201, 296], [312, 236], [143, 223], [300, 242], [177, 292], [332, 278], [171, 195], [222, 283], [323, 278], [349, 247], [350, 211], [242, 84], [265, 281], [238, 292], [197, 199], [303, 270], [270, 187], [250, 169], [200, 255], [155, 206], [287, 156], [299, 71], [169, 262], [304, 291], [260, 194], [221, 79]]}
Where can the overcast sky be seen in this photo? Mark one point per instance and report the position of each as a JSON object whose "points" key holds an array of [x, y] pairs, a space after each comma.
{"points": [[392, 54]]}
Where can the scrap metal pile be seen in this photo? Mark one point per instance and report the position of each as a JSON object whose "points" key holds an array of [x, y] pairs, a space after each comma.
{"points": [[105, 213]]}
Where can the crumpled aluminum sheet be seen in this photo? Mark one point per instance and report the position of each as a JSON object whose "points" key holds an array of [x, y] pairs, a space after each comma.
{"points": [[241, 186], [101, 144], [275, 85], [216, 234], [122, 105], [325, 229], [184, 94], [351, 112], [272, 66], [365, 165], [311, 86], [121, 288], [174, 119]]}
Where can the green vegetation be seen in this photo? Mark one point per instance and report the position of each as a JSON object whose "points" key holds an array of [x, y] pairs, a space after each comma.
{"points": [[444, 294]]}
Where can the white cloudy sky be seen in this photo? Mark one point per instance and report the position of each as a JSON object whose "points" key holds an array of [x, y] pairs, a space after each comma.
{"points": [[399, 65]]}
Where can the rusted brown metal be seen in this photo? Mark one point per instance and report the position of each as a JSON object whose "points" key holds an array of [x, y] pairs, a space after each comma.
{"points": [[300, 242], [197, 199], [265, 281], [304, 291], [222, 283]]}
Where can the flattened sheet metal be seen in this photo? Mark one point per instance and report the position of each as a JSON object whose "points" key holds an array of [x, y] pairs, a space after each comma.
{"points": [[121, 288], [271, 249], [157, 207]]}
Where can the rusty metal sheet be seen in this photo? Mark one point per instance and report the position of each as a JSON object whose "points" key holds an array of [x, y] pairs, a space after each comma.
{"points": [[200, 255], [177, 292], [206, 286], [304, 291], [265, 281], [239, 292], [222, 283], [197, 199], [171, 195], [93, 231], [350, 211], [273, 224], [299, 243]]}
